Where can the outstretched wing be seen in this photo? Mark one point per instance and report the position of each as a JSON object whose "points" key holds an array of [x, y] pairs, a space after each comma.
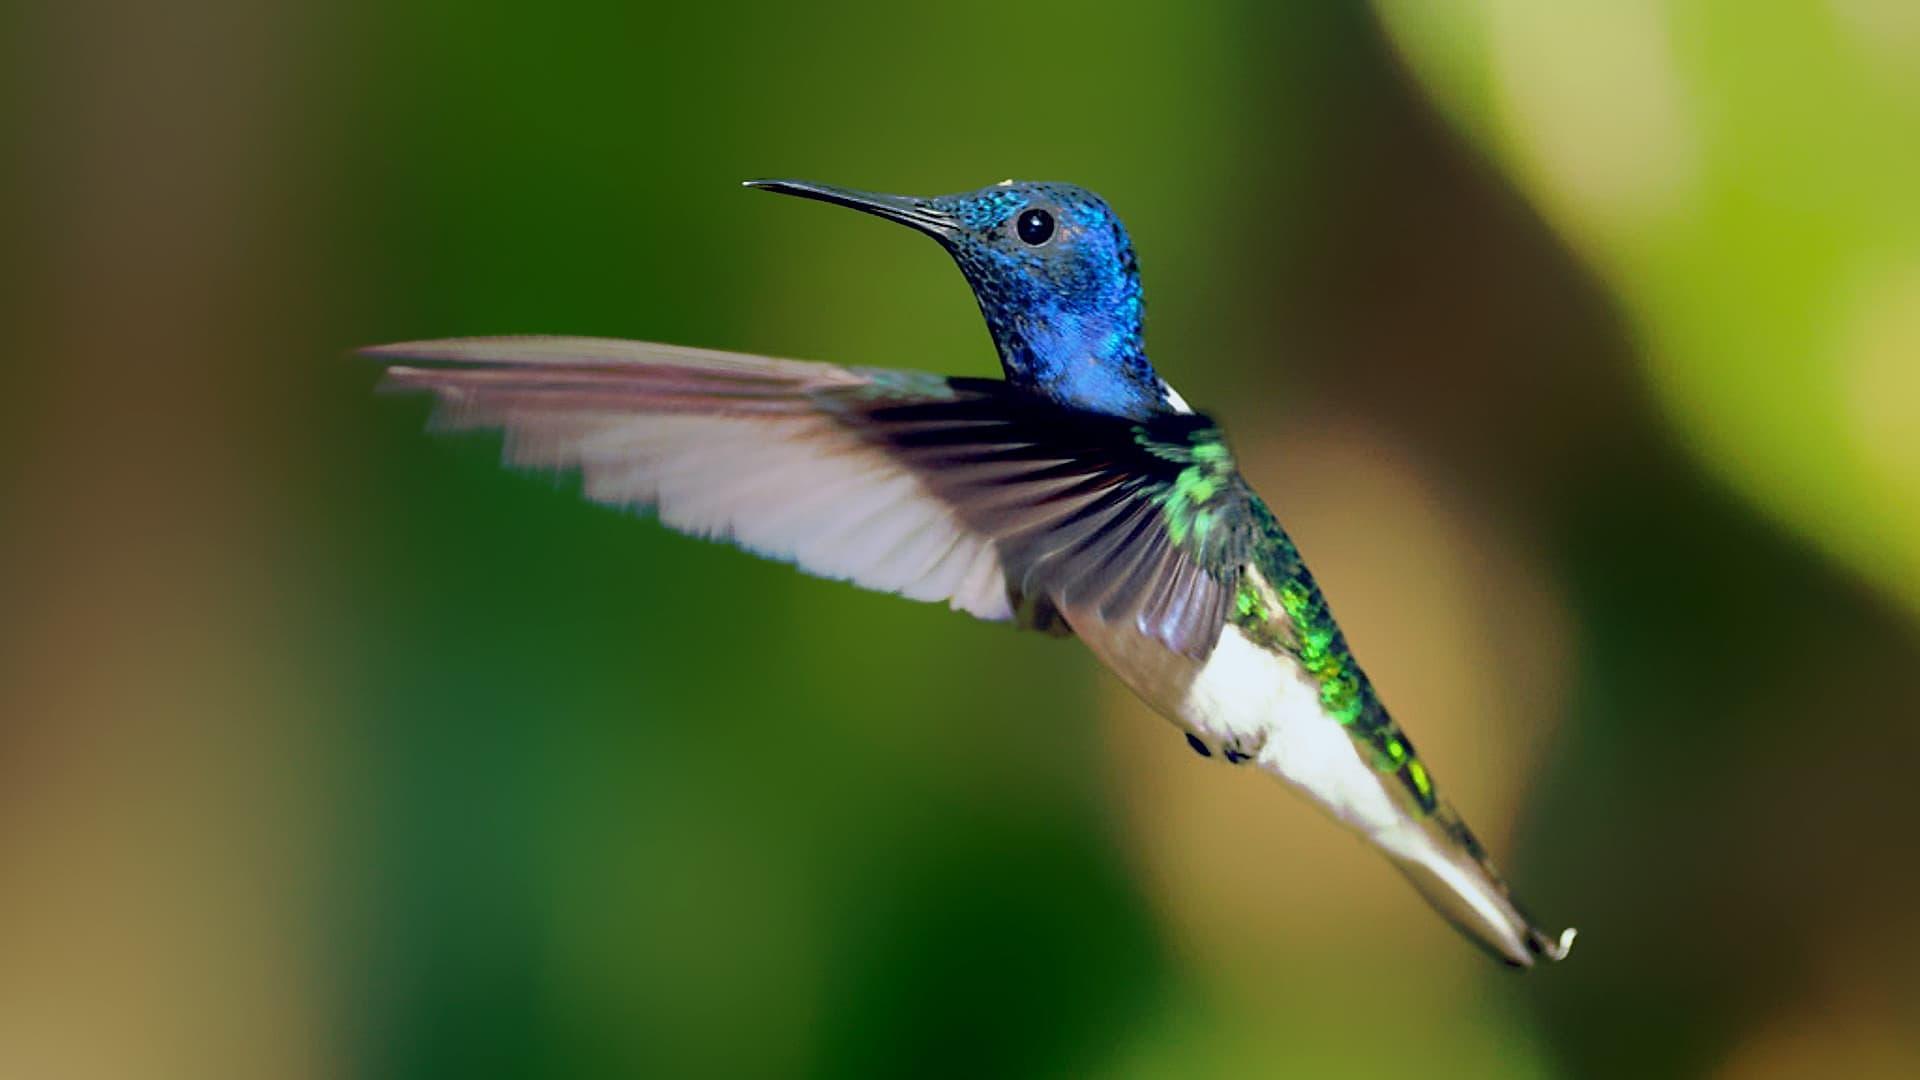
{"points": [[970, 491]]}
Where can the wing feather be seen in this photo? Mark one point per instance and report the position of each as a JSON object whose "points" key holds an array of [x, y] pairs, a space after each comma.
{"points": [[964, 490]]}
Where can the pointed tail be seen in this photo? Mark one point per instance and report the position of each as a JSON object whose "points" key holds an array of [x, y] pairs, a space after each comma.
{"points": [[1448, 866]]}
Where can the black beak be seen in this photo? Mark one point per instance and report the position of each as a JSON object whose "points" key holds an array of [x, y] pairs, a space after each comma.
{"points": [[915, 213]]}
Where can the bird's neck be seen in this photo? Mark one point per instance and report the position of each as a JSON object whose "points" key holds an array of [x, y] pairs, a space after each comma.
{"points": [[1085, 358]]}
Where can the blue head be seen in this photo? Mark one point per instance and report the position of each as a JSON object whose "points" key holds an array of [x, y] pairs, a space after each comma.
{"points": [[1056, 279]]}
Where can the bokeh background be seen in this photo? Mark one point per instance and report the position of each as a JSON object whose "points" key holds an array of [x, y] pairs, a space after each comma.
{"points": [[1578, 345]]}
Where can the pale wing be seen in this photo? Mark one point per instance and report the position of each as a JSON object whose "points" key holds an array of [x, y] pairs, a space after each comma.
{"points": [[719, 445], [964, 490]]}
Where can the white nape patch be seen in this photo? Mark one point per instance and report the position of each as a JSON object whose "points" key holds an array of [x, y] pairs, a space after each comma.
{"points": [[1255, 698], [1173, 399]]}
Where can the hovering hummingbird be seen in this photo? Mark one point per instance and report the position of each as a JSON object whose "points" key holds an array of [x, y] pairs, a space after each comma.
{"points": [[1081, 495]]}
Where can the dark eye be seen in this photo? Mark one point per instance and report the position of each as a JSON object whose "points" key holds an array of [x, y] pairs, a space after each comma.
{"points": [[1035, 226]]}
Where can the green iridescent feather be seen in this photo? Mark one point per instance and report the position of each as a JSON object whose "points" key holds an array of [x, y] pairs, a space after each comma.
{"points": [[1205, 502], [1276, 603], [1316, 642]]}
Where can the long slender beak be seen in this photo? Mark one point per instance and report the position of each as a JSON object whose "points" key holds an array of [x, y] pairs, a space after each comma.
{"points": [[915, 213]]}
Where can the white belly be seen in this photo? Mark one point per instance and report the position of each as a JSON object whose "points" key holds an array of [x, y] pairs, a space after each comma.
{"points": [[1249, 696], [1256, 702], [1269, 706], [1265, 705]]}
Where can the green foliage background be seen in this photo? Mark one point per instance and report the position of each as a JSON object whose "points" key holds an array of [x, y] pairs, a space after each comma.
{"points": [[1578, 342]]}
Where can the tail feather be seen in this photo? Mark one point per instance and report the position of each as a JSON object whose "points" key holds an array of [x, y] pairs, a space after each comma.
{"points": [[1448, 867]]}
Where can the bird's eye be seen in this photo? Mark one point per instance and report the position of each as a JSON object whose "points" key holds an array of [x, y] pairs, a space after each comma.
{"points": [[1035, 226]]}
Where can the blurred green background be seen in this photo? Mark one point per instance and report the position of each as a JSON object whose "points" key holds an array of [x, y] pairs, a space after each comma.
{"points": [[1578, 344]]}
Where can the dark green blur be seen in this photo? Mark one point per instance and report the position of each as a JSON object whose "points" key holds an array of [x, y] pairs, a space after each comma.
{"points": [[447, 773]]}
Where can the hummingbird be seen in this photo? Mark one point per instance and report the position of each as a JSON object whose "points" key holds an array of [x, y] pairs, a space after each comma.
{"points": [[1080, 495]]}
